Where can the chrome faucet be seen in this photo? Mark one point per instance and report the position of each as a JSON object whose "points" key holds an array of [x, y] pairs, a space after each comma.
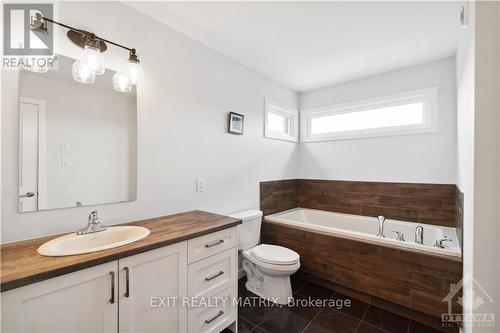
{"points": [[399, 236], [94, 225], [381, 221], [419, 235], [439, 242]]}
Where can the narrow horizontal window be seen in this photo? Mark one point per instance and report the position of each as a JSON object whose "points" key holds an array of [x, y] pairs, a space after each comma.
{"points": [[408, 113], [280, 122], [400, 115]]}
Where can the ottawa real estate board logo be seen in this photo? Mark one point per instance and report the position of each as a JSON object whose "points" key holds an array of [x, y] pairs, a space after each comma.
{"points": [[28, 40], [478, 297]]}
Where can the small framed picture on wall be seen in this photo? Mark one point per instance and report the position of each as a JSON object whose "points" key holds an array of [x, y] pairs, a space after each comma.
{"points": [[236, 123]]}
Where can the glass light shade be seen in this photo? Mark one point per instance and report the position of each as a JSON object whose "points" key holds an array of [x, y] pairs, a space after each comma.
{"points": [[37, 65], [93, 58], [122, 82], [134, 72], [83, 72], [38, 69]]}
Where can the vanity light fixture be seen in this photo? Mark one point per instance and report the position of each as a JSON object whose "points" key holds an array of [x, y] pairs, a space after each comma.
{"points": [[91, 63], [37, 65], [92, 56], [133, 68], [121, 82], [83, 72]]}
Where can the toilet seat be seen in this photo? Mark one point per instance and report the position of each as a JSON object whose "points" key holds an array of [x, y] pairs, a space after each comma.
{"points": [[271, 267], [275, 255]]}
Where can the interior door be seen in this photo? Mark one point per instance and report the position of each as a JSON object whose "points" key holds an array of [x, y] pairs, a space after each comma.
{"points": [[143, 279], [31, 112]]}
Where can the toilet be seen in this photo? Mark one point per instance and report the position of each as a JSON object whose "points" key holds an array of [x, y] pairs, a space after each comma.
{"points": [[267, 267]]}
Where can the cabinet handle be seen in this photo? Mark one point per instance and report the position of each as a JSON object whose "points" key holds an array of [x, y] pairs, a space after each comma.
{"points": [[220, 241], [112, 299], [214, 276], [208, 321], [127, 282]]}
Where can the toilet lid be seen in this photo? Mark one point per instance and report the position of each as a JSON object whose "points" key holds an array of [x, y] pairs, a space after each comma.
{"points": [[274, 254]]}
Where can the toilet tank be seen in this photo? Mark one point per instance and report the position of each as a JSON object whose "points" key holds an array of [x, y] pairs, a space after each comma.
{"points": [[249, 229]]}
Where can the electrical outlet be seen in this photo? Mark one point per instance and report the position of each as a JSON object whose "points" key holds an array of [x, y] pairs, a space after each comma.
{"points": [[200, 184]]}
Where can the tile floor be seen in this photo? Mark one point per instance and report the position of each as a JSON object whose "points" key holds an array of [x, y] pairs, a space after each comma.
{"points": [[358, 318]]}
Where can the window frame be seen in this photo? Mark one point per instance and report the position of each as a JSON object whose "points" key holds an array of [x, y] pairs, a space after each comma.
{"points": [[288, 112], [427, 95]]}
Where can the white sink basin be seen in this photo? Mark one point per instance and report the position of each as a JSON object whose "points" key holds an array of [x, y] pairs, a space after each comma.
{"points": [[72, 244]]}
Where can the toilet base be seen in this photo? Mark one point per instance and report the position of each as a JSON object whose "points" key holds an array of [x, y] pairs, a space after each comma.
{"points": [[272, 285]]}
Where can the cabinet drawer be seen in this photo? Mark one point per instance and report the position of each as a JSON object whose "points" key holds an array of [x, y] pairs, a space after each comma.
{"points": [[215, 316], [205, 246], [213, 274]]}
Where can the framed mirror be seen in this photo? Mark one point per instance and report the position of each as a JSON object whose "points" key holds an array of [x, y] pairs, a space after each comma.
{"points": [[77, 142]]}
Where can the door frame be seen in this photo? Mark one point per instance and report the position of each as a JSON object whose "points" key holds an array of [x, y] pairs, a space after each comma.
{"points": [[42, 150]]}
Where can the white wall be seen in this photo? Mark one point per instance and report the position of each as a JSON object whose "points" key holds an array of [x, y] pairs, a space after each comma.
{"points": [[423, 158], [100, 127], [182, 120], [486, 234], [478, 96], [465, 143]]}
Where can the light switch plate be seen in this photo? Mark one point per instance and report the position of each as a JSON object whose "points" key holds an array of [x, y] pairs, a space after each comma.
{"points": [[66, 160], [200, 184], [65, 146]]}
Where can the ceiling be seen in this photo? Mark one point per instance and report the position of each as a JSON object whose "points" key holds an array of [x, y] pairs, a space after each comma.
{"points": [[307, 45]]}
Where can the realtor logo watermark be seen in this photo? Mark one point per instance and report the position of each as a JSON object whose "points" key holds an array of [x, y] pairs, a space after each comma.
{"points": [[479, 298], [23, 44], [227, 301]]}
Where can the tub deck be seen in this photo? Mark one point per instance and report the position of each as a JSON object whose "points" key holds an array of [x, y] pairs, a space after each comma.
{"points": [[365, 228]]}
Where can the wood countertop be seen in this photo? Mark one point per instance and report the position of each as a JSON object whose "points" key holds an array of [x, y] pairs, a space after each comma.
{"points": [[22, 265]]}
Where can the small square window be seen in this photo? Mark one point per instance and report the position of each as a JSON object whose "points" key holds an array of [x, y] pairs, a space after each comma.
{"points": [[280, 122]]}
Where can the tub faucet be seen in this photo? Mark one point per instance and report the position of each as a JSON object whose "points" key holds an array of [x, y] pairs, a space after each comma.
{"points": [[94, 225], [399, 236], [439, 242], [381, 221], [419, 235]]}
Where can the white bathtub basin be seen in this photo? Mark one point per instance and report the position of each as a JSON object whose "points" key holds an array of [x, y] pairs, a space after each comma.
{"points": [[72, 244], [365, 229]]}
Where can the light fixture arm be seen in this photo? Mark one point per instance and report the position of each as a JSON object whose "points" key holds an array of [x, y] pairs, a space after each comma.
{"points": [[39, 23]]}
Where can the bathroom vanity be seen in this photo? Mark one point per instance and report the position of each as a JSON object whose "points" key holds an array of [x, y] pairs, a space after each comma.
{"points": [[156, 284]]}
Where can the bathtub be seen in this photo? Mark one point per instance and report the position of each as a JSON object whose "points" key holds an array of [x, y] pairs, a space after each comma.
{"points": [[364, 228]]}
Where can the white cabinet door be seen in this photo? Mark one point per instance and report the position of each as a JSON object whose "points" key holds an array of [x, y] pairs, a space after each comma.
{"points": [[154, 275], [83, 301]]}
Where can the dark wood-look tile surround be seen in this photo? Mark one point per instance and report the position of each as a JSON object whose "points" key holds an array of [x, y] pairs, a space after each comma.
{"points": [[277, 196], [22, 265], [423, 203], [408, 279]]}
